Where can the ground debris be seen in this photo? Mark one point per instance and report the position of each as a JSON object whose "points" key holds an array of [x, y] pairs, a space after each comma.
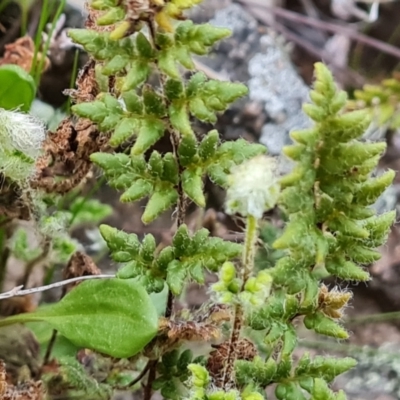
{"points": [[31, 390]]}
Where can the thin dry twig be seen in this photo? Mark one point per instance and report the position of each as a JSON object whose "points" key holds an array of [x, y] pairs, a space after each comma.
{"points": [[345, 75], [325, 25], [17, 291], [377, 1]]}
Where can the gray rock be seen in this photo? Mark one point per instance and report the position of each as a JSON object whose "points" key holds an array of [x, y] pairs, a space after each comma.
{"points": [[376, 374]]}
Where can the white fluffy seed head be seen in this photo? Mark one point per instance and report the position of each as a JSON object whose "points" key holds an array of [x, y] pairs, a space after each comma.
{"points": [[253, 187], [21, 141]]}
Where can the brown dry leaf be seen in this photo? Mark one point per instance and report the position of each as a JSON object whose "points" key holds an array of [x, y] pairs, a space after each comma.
{"points": [[204, 325], [80, 264], [189, 330], [68, 152], [66, 160], [87, 87], [242, 350], [12, 204], [21, 53], [32, 390]]}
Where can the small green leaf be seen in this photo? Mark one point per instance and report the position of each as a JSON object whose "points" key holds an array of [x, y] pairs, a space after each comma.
{"points": [[225, 92], [187, 151], [198, 108], [173, 89], [176, 277], [363, 254], [151, 130], [137, 74], [209, 145], [346, 270], [123, 246], [82, 36], [133, 102], [63, 248], [153, 103], [379, 226], [165, 256], [217, 175], [89, 211], [288, 391], [156, 164], [110, 122], [123, 131], [192, 183], [330, 367], [116, 64], [303, 365], [144, 47], [305, 136], [325, 325], [159, 202], [184, 56], [196, 271], [96, 111], [170, 170], [321, 390], [167, 63], [180, 119], [210, 34], [113, 15], [111, 163], [289, 341], [17, 88], [184, 359], [370, 190], [316, 113], [137, 191], [148, 248], [181, 241], [130, 270], [98, 315]]}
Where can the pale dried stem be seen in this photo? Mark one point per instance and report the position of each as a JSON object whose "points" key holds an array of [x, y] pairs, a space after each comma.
{"points": [[17, 291]]}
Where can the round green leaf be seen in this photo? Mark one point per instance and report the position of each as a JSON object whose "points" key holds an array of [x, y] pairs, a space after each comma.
{"points": [[17, 88], [112, 316]]}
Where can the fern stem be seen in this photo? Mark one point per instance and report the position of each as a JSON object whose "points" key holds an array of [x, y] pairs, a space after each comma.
{"points": [[249, 248], [246, 272], [148, 390]]}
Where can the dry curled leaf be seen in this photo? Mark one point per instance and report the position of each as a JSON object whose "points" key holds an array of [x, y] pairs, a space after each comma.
{"points": [[80, 264], [21, 53]]}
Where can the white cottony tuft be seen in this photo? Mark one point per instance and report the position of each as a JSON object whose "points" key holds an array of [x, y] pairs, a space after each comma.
{"points": [[21, 141], [253, 187], [22, 131]]}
